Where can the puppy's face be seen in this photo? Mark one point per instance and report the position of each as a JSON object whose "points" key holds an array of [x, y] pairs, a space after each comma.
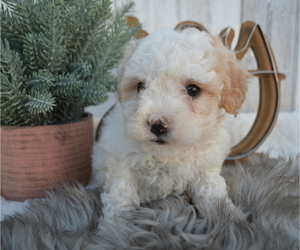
{"points": [[176, 86]]}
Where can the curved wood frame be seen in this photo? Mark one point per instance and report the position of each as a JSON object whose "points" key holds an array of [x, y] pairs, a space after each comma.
{"points": [[252, 37]]}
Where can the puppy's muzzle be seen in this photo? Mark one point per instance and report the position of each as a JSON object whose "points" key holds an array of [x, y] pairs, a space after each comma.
{"points": [[160, 128]]}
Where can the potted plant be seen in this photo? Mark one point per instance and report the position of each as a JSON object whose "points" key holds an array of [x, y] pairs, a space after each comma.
{"points": [[57, 57]]}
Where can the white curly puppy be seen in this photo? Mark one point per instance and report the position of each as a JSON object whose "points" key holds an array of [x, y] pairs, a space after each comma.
{"points": [[168, 134]]}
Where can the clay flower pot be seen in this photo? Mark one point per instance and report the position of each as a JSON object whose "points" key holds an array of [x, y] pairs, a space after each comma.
{"points": [[35, 159]]}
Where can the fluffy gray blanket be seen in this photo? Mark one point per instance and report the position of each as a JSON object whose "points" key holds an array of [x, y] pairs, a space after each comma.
{"points": [[266, 190]]}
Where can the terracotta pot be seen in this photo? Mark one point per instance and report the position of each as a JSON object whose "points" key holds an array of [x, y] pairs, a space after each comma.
{"points": [[35, 159]]}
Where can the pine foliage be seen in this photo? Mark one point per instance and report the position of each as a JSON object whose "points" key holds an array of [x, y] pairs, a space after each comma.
{"points": [[57, 58]]}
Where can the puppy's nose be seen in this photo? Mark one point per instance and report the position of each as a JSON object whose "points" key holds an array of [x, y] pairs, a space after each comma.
{"points": [[158, 127]]}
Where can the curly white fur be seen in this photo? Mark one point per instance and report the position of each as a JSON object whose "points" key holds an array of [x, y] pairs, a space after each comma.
{"points": [[135, 164]]}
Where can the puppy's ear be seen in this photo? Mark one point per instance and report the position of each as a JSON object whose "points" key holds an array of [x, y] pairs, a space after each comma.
{"points": [[234, 78], [234, 87]]}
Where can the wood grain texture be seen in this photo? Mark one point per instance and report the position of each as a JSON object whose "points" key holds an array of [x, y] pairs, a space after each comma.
{"points": [[279, 21]]}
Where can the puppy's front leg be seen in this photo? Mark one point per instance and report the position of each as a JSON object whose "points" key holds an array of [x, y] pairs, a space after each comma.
{"points": [[119, 196], [208, 189]]}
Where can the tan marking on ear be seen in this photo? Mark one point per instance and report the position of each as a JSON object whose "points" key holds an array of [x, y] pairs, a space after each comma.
{"points": [[233, 77]]}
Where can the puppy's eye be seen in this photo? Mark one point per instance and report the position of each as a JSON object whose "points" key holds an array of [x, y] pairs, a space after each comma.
{"points": [[140, 86], [193, 90]]}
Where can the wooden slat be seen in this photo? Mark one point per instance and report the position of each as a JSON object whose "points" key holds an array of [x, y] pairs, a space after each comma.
{"points": [[283, 37], [277, 19], [194, 10]]}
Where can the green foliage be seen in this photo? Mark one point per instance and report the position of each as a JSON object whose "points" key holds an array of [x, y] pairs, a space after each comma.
{"points": [[57, 57]]}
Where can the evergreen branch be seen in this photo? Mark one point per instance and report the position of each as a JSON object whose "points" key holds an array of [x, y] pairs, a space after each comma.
{"points": [[112, 45], [40, 81], [12, 98], [11, 63], [57, 57], [39, 102], [31, 53], [67, 85], [93, 93], [81, 68], [17, 21], [94, 15], [67, 111], [53, 50]]}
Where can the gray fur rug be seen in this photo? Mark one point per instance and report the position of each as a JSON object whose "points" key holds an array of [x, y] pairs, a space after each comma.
{"points": [[266, 190]]}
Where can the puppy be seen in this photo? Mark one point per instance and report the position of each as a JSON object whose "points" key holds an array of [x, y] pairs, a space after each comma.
{"points": [[167, 133]]}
